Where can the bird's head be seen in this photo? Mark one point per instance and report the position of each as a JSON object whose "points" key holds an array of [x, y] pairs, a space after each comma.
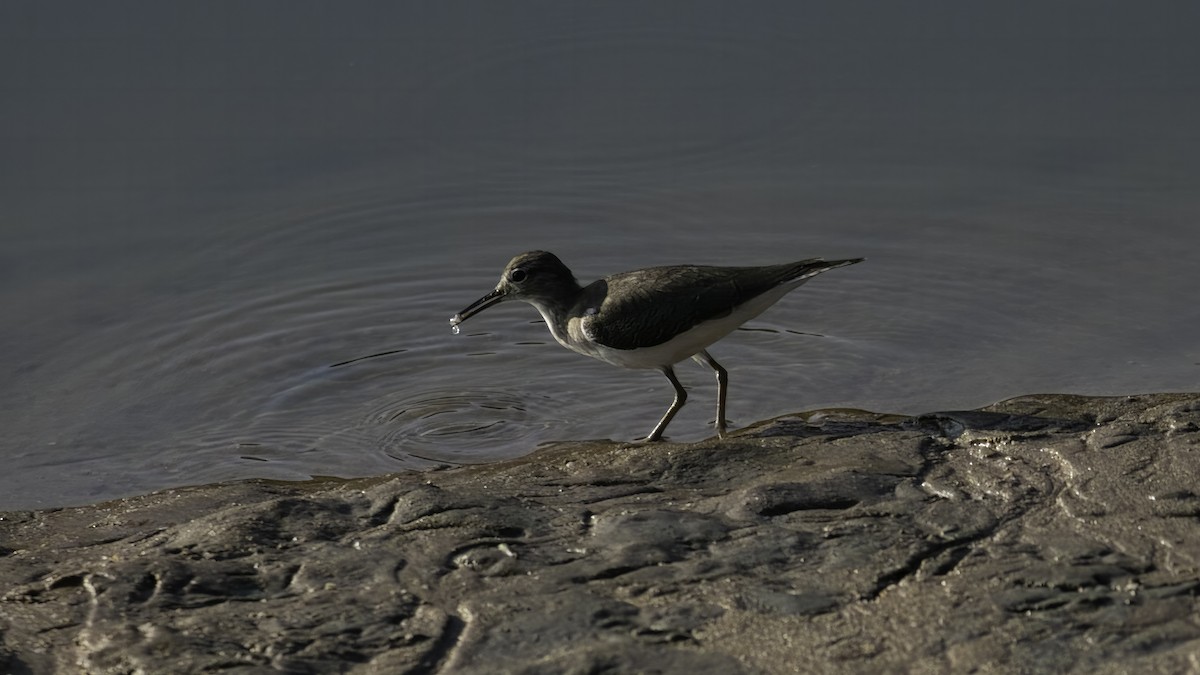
{"points": [[537, 277]]}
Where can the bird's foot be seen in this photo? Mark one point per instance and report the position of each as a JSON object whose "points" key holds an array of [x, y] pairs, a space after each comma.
{"points": [[722, 429], [652, 438]]}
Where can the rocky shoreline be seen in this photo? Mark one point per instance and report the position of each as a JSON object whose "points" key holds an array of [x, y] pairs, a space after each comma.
{"points": [[1046, 533]]}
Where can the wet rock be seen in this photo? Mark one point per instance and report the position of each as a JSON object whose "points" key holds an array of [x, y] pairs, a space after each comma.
{"points": [[1041, 534]]}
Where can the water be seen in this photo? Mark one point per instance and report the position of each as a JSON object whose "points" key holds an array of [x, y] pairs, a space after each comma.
{"points": [[232, 235]]}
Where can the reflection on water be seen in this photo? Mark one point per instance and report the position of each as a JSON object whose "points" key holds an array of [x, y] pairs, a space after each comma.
{"points": [[233, 254]]}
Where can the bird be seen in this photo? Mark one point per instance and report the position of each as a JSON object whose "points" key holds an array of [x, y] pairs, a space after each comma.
{"points": [[650, 318]]}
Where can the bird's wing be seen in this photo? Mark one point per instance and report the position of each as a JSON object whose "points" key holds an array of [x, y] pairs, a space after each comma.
{"points": [[648, 307]]}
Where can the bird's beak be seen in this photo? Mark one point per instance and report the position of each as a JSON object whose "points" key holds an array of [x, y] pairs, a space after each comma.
{"points": [[478, 306]]}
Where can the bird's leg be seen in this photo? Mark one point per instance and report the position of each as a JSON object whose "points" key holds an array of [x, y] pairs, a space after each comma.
{"points": [[680, 399], [722, 386]]}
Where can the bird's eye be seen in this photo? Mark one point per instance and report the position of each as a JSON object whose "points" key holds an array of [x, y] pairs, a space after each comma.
{"points": [[517, 276]]}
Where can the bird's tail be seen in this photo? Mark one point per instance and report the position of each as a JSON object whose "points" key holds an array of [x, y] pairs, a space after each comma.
{"points": [[814, 266]]}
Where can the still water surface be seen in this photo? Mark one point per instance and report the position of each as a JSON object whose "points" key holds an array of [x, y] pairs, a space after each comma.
{"points": [[211, 216]]}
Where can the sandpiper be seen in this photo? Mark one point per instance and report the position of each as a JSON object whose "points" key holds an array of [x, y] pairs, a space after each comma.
{"points": [[649, 318]]}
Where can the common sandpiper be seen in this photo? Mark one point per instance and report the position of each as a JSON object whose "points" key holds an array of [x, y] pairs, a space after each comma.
{"points": [[650, 318]]}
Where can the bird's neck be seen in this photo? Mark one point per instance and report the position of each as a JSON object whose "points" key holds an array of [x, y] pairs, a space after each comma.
{"points": [[556, 312]]}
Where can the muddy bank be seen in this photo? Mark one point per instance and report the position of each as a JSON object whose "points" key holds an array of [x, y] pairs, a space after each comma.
{"points": [[1042, 534]]}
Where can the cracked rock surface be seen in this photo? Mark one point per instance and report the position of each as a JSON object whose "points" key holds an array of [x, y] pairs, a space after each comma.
{"points": [[1042, 534]]}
